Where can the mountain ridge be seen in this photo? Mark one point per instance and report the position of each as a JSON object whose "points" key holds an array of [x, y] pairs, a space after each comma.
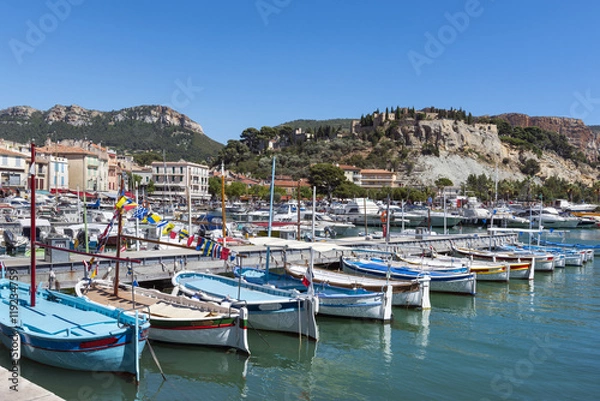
{"points": [[145, 128]]}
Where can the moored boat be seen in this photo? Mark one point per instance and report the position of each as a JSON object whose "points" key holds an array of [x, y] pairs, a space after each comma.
{"points": [[409, 293], [175, 319], [67, 332], [333, 300], [461, 283], [268, 308]]}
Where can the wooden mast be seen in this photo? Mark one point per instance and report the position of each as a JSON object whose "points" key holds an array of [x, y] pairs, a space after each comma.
{"points": [[32, 236], [120, 227]]}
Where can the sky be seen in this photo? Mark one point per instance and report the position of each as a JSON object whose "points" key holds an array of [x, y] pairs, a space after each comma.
{"points": [[230, 65]]}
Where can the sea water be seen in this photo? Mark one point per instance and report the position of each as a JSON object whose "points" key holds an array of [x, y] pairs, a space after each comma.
{"points": [[521, 340]]}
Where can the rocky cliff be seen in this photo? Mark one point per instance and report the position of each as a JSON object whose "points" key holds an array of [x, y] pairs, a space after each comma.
{"points": [[579, 134], [79, 116], [476, 149]]}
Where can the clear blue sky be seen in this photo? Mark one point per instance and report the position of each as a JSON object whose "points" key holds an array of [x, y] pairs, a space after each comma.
{"points": [[263, 62]]}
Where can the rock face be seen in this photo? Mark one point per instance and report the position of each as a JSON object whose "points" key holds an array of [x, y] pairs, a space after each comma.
{"points": [[476, 149], [579, 134], [78, 116]]}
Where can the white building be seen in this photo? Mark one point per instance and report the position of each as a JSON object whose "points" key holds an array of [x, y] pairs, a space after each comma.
{"points": [[178, 180]]}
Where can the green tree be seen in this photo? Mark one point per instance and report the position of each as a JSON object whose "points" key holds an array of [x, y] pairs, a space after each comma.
{"points": [[214, 187], [326, 177], [235, 190]]}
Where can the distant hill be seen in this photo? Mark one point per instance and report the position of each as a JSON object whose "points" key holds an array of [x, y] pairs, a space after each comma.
{"points": [[132, 130], [343, 123]]}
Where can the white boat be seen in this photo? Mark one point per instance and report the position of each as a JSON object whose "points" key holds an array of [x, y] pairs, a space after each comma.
{"points": [[542, 261], [550, 218], [174, 319], [484, 271], [268, 308], [413, 293], [356, 302], [575, 207], [460, 283]]}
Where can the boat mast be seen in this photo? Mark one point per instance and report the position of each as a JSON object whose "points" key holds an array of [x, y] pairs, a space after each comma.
{"points": [[32, 236], [271, 200], [223, 219], [119, 229]]}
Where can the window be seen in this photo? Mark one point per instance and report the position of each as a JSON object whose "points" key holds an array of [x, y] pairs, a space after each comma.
{"points": [[5, 160], [18, 162]]}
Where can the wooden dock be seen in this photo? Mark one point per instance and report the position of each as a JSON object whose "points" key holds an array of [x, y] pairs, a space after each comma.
{"points": [[17, 388]]}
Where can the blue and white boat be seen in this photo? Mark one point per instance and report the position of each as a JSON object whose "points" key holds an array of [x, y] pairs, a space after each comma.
{"points": [[268, 308], [333, 300], [461, 283], [68, 332], [62, 330]]}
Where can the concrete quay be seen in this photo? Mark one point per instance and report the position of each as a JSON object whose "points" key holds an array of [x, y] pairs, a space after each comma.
{"points": [[163, 264], [17, 388]]}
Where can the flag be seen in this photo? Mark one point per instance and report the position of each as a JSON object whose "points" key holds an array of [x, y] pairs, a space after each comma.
{"points": [[124, 248], [183, 234], [190, 240], [224, 253], [129, 205], [121, 202], [173, 234], [140, 212], [94, 272], [306, 281], [168, 228], [153, 218], [200, 244], [32, 169]]}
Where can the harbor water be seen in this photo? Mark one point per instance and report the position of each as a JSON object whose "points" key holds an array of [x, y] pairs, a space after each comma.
{"points": [[513, 341]]}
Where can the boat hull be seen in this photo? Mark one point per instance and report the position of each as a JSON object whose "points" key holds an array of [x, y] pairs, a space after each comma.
{"points": [[463, 283], [71, 333], [268, 309]]}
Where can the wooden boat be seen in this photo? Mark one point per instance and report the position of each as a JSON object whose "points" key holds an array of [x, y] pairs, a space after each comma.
{"points": [[65, 331], [541, 261], [461, 283], [175, 319], [68, 332], [268, 308], [358, 303], [410, 293], [484, 271]]}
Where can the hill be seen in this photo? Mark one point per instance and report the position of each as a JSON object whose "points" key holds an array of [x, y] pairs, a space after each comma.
{"points": [[132, 130], [342, 124]]}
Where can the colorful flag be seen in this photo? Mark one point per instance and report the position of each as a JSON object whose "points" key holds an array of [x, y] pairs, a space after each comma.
{"points": [[183, 233], [190, 240], [153, 218], [168, 228], [173, 234], [121, 202]]}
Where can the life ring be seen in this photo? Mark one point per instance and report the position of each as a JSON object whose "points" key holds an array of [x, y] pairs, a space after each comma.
{"points": [[384, 216]]}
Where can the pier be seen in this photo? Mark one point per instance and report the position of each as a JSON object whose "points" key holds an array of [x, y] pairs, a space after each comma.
{"points": [[159, 265], [17, 388]]}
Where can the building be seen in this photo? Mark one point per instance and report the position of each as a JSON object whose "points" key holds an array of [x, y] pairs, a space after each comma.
{"points": [[178, 180], [376, 178], [13, 173], [352, 173]]}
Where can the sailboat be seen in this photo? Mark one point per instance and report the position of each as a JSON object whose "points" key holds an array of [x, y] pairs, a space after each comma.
{"points": [[62, 330]]}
